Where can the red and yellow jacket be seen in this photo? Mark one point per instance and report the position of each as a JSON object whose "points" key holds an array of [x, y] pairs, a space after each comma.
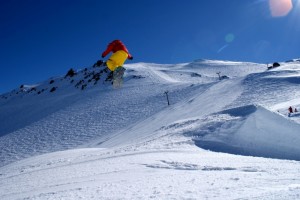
{"points": [[115, 46]]}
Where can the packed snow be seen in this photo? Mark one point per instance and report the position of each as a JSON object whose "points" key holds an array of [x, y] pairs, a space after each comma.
{"points": [[226, 134]]}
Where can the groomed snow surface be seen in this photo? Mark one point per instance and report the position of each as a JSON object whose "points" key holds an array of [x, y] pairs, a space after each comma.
{"points": [[227, 138]]}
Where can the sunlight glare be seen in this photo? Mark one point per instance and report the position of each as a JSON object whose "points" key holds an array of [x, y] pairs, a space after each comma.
{"points": [[280, 8], [229, 37]]}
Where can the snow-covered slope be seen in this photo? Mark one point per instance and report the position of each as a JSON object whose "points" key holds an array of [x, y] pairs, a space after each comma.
{"points": [[88, 140]]}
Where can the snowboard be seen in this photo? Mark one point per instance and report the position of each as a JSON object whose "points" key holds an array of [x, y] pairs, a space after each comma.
{"points": [[118, 77]]}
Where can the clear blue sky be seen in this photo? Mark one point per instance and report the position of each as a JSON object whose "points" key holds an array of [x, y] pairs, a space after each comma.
{"points": [[44, 38]]}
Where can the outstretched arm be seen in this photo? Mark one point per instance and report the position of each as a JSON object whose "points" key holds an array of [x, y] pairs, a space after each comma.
{"points": [[108, 50], [130, 56]]}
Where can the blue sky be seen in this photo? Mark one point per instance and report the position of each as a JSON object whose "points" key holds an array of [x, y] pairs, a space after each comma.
{"points": [[44, 38]]}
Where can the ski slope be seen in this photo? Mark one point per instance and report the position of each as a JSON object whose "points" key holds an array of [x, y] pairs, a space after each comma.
{"points": [[219, 139]]}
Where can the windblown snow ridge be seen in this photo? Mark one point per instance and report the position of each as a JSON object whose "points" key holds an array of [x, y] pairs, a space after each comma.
{"points": [[250, 130]]}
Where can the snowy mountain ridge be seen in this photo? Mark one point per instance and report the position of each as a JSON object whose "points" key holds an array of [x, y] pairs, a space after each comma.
{"points": [[85, 139]]}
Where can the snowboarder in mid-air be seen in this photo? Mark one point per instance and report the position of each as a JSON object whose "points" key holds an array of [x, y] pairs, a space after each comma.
{"points": [[116, 60]]}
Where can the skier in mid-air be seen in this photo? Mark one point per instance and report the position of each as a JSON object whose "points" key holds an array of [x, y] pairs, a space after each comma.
{"points": [[116, 60]]}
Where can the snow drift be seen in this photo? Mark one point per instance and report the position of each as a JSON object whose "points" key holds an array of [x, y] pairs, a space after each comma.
{"points": [[253, 131]]}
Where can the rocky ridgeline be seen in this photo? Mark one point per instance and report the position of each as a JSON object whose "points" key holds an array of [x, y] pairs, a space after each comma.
{"points": [[88, 77]]}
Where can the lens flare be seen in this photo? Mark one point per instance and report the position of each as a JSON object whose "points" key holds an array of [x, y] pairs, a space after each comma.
{"points": [[229, 37], [280, 8]]}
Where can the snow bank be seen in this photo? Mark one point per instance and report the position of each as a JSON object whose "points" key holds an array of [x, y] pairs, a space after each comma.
{"points": [[252, 130], [269, 134]]}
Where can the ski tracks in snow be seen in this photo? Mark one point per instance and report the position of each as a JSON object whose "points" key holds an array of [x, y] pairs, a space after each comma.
{"points": [[96, 116]]}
